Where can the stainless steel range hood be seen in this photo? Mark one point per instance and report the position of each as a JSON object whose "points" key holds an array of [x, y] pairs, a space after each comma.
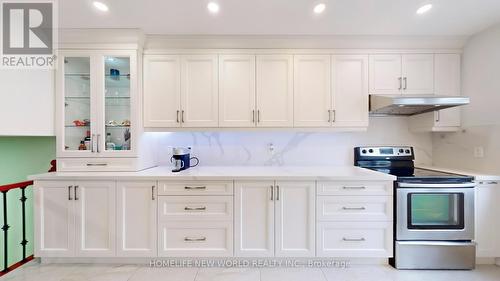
{"points": [[412, 105]]}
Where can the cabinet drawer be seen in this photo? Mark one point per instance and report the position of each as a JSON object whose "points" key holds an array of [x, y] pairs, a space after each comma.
{"points": [[98, 165], [195, 208], [355, 188], [196, 239], [195, 188], [354, 239], [354, 208]]}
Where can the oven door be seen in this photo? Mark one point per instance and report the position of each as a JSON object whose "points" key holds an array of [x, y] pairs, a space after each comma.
{"points": [[435, 211]]}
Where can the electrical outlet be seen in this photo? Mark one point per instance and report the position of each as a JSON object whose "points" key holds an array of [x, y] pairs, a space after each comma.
{"points": [[478, 152]]}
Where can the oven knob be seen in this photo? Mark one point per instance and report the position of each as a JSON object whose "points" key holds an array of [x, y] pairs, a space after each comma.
{"points": [[401, 151], [363, 151], [407, 151], [370, 150]]}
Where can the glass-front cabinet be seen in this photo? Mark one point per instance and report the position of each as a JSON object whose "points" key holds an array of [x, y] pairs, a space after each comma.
{"points": [[97, 92]]}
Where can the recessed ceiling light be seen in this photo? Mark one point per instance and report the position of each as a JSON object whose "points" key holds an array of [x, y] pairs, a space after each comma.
{"points": [[213, 7], [319, 8], [424, 9], [101, 6]]}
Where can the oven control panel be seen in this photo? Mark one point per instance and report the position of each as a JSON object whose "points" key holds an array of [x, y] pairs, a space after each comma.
{"points": [[389, 151]]}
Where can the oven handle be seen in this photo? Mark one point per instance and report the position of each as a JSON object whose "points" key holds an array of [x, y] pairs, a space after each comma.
{"points": [[436, 185]]}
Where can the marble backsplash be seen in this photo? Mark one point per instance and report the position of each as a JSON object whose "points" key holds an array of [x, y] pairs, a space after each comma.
{"points": [[293, 148]]}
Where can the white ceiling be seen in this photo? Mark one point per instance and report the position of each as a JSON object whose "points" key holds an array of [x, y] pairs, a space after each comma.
{"points": [[285, 17]]}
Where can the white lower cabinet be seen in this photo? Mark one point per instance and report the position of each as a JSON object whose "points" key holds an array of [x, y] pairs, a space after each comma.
{"points": [[487, 222], [354, 239], [75, 218], [136, 218], [274, 219], [354, 219]]}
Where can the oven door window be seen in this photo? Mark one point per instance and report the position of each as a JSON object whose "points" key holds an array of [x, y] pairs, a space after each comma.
{"points": [[435, 210]]}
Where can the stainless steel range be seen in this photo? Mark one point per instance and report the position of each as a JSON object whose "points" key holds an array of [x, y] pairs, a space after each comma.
{"points": [[434, 211]]}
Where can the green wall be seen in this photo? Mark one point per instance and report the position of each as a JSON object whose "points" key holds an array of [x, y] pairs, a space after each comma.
{"points": [[20, 157]]}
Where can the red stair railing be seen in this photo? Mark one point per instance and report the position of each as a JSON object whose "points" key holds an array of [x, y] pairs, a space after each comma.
{"points": [[5, 228]]}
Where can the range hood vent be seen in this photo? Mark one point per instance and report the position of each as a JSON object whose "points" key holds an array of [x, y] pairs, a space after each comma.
{"points": [[381, 105]]}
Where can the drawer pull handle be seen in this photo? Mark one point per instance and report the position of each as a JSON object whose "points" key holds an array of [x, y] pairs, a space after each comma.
{"points": [[97, 164], [354, 239], [195, 208], [492, 182], [195, 187], [195, 239], [354, 208], [354, 187]]}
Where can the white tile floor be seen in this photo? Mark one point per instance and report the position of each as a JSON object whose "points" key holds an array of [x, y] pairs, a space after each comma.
{"points": [[82, 272]]}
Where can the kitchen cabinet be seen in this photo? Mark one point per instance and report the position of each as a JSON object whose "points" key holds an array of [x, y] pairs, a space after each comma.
{"points": [[162, 91], [136, 203], [349, 91], [274, 219], [181, 91], [447, 82], [95, 218], [98, 105], [486, 219], [75, 219], [237, 91], [199, 91], [274, 90], [54, 219], [312, 91], [408, 74]]}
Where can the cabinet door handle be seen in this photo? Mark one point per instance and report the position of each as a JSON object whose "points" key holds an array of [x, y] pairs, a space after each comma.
{"points": [[195, 208], [92, 143], [97, 164], [329, 115], [69, 192], [258, 116], [406, 83], [492, 182], [195, 239], [354, 239], [333, 115], [98, 136], [76, 192], [354, 187], [354, 208], [253, 116], [182, 116], [437, 116], [195, 187], [400, 83], [177, 118], [277, 193], [153, 193], [272, 192]]}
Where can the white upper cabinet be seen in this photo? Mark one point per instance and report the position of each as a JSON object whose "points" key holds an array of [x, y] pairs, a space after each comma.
{"points": [[312, 93], [274, 90], [385, 75], [409, 74], [162, 91], [447, 77], [447, 82], [418, 74], [199, 91], [350, 90], [237, 91]]}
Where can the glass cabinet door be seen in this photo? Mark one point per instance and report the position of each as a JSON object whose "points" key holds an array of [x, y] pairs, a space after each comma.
{"points": [[117, 104], [77, 104]]}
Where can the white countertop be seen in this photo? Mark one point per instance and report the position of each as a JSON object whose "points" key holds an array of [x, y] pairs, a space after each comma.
{"points": [[228, 173], [479, 176]]}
